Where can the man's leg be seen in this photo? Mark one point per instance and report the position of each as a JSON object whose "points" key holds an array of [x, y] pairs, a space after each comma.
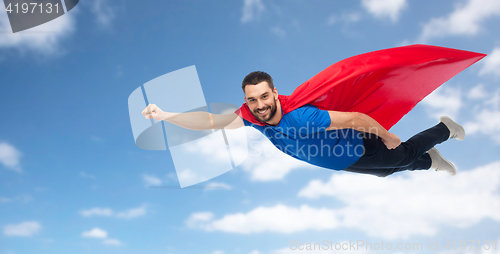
{"points": [[410, 155], [422, 163]]}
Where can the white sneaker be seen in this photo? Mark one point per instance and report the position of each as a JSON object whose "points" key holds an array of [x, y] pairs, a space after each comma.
{"points": [[456, 130], [440, 163]]}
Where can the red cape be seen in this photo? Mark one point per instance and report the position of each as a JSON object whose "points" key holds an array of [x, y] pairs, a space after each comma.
{"points": [[384, 84]]}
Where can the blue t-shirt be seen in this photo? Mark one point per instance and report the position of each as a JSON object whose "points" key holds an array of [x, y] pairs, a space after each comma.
{"points": [[302, 134]]}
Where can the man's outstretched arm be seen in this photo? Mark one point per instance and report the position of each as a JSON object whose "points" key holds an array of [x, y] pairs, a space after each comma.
{"points": [[194, 120], [362, 122]]}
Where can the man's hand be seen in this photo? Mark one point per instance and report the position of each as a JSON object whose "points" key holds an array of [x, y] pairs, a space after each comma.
{"points": [[362, 122], [153, 111], [391, 141]]}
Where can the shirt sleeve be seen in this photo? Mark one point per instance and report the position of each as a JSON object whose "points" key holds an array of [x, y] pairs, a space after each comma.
{"points": [[313, 117]]}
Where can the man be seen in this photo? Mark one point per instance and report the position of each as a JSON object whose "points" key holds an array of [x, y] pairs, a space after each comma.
{"points": [[348, 141]]}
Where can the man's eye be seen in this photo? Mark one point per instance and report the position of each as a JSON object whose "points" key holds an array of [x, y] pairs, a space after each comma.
{"points": [[265, 96]]}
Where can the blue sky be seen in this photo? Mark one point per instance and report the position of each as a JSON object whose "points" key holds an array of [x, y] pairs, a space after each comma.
{"points": [[73, 181]]}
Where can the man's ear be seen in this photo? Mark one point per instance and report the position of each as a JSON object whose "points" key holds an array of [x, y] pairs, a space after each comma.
{"points": [[275, 91]]}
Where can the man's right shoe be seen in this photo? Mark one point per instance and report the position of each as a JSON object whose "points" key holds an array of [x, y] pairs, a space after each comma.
{"points": [[456, 130], [439, 163]]}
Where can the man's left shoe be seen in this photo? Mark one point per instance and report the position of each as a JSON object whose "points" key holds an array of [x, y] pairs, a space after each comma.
{"points": [[440, 163], [456, 130]]}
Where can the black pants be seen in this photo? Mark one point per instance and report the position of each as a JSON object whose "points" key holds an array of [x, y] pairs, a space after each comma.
{"points": [[410, 155]]}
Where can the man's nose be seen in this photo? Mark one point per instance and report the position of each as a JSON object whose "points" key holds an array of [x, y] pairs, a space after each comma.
{"points": [[260, 104]]}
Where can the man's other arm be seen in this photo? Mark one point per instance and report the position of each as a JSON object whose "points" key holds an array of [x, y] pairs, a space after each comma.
{"points": [[362, 122], [195, 120]]}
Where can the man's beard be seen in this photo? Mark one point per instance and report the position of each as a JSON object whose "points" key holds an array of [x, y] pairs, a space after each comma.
{"points": [[270, 115]]}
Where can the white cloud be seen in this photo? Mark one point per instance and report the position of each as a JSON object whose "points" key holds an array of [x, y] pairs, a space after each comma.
{"points": [[424, 201], [444, 101], [466, 19], [491, 64], [103, 12], [252, 9], [95, 233], [114, 242], [477, 92], [196, 218], [132, 213], [9, 157], [486, 122], [44, 39], [107, 212], [217, 186], [483, 106], [101, 234], [278, 31], [150, 180], [279, 219], [27, 228], [494, 101], [187, 175], [97, 212], [385, 8], [19, 198], [486, 118], [217, 252]]}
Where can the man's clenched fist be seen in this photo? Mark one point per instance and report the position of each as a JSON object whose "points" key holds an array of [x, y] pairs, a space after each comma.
{"points": [[153, 111]]}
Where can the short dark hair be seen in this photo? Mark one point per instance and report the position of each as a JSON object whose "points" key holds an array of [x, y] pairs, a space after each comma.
{"points": [[254, 78]]}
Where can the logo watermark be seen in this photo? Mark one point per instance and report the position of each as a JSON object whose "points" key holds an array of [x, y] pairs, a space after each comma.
{"points": [[26, 14], [308, 142], [366, 245]]}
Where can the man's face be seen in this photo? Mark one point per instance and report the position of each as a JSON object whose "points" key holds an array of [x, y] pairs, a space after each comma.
{"points": [[261, 101]]}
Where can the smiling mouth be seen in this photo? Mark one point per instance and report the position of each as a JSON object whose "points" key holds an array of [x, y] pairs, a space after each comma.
{"points": [[262, 112]]}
